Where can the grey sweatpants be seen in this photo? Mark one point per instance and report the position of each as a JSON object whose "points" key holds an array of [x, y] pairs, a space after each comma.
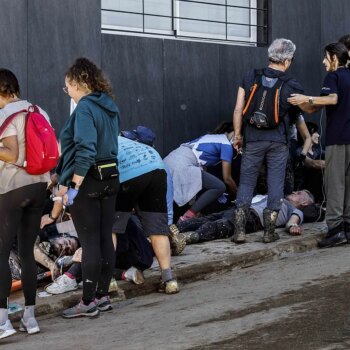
{"points": [[254, 153], [337, 183]]}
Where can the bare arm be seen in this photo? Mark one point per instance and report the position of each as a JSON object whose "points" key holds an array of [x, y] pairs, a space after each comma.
{"points": [[43, 259], [304, 132], [317, 101], [318, 164], [227, 177], [292, 226], [9, 152], [238, 118]]}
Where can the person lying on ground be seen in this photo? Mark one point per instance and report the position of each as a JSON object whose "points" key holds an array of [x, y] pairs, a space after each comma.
{"points": [[134, 254], [220, 225]]}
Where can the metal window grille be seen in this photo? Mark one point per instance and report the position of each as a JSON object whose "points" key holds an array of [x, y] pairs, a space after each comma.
{"points": [[235, 21]]}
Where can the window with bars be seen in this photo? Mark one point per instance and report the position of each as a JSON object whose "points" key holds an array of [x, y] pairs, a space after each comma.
{"points": [[223, 20]]}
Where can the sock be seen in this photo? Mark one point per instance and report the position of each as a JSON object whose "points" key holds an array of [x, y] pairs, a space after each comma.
{"points": [[3, 316], [167, 275], [72, 277], [190, 214], [28, 312]]}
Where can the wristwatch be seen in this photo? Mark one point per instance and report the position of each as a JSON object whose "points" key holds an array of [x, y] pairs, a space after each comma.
{"points": [[311, 100]]}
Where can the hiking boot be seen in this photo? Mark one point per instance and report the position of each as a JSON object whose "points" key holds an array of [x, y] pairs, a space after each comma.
{"points": [[334, 240], [239, 221], [177, 240], [82, 310], [6, 329], [30, 326], [169, 287], [104, 304], [191, 237], [270, 218], [62, 284], [134, 275]]}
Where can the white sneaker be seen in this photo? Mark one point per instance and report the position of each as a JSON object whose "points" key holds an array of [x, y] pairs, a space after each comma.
{"points": [[61, 285], [134, 275], [31, 326], [6, 329]]}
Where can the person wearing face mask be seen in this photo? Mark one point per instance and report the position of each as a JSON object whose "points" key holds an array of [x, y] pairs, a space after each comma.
{"points": [[335, 97]]}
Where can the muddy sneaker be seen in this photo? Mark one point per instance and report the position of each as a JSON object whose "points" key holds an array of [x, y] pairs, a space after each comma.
{"points": [[82, 310], [134, 275], [177, 240], [104, 304], [6, 329], [191, 237], [61, 285], [169, 287], [31, 326]]}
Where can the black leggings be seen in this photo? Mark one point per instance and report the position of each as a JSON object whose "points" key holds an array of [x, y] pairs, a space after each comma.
{"points": [[93, 216], [213, 187], [20, 213]]}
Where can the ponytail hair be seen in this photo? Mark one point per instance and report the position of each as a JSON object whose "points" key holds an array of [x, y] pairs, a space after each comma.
{"points": [[222, 128]]}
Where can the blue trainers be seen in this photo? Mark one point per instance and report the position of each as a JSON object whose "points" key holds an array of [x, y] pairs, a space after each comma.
{"points": [[82, 310]]}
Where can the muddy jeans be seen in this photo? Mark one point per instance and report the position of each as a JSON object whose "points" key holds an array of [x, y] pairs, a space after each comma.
{"points": [[254, 153]]}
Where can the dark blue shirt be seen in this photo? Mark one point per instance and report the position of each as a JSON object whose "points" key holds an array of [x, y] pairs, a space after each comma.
{"points": [[290, 113], [338, 116]]}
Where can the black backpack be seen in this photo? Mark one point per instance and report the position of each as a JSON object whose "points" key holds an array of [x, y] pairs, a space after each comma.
{"points": [[262, 108]]}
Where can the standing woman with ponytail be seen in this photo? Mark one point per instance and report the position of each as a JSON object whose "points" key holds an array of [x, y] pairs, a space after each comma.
{"points": [[335, 95], [187, 168], [88, 179], [22, 199]]}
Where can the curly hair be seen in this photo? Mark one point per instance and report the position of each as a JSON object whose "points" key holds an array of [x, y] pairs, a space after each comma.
{"points": [[9, 86], [84, 72]]}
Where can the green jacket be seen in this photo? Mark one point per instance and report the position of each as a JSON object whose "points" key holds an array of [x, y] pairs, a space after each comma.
{"points": [[89, 135]]}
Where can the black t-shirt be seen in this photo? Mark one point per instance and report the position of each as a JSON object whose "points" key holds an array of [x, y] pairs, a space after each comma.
{"points": [[289, 112], [338, 116]]}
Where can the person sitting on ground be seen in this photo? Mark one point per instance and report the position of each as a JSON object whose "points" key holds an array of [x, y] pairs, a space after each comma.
{"points": [[186, 165], [134, 255], [221, 225]]}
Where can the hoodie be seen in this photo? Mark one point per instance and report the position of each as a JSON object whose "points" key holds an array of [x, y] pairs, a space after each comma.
{"points": [[88, 136]]}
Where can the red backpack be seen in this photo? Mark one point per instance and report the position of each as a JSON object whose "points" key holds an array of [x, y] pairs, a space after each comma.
{"points": [[41, 143]]}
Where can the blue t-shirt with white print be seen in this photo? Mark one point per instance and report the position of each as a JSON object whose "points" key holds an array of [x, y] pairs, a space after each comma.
{"points": [[211, 149], [136, 158]]}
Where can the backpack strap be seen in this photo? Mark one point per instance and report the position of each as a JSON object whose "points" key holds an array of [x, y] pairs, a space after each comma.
{"points": [[9, 119], [257, 80]]}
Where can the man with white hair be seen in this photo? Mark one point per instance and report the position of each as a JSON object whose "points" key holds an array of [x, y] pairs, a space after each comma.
{"points": [[261, 118]]}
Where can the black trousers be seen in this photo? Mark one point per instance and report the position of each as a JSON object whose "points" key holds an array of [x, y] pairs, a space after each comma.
{"points": [[20, 212], [93, 215]]}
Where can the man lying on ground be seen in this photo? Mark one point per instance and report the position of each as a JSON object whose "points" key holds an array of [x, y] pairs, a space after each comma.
{"points": [[220, 225]]}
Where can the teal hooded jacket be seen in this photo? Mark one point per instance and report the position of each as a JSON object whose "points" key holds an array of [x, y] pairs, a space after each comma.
{"points": [[88, 136]]}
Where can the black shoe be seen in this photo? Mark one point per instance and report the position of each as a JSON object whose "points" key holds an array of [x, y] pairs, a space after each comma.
{"points": [[334, 240], [333, 231]]}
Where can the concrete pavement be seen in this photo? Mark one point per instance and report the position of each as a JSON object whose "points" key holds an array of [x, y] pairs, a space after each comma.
{"points": [[195, 263]]}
